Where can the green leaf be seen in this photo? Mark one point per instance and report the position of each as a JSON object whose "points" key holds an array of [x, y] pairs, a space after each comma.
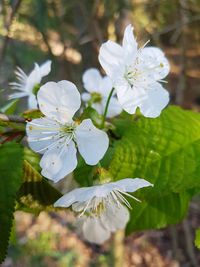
{"points": [[36, 194], [166, 152], [197, 238], [11, 159], [91, 113], [32, 158], [158, 212], [83, 173]]}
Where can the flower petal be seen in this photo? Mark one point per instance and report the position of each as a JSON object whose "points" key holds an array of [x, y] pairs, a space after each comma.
{"points": [[91, 80], [85, 97], [42, 133], [131, 185], [99, 107], [157, 99], [83, 194], [128, 97], [59, 161], [115, 217], [77, 195], [32, 102], [111, 57], [155, 63], [129, 44], [33, 79], [105, 86], [17, 95], [45, 68], [59, 101], [114, 108], [94, 232], [92, 143]]}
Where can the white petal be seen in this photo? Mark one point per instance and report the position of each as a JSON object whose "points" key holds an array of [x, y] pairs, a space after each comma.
{"points": [[32, 102], [85, 97], [34, 78], [42, 133], [115, 217], [130, 184], [77, 195], [84, 194], [59, 161], [155, 63], [99, 107], [128, 97], [114, 108], [59, 100], [92, 143], [157, 99], [129, 44], [45, 68], [17, 95], [105, 86], [111, 57], [91, 80], [94, 232]]}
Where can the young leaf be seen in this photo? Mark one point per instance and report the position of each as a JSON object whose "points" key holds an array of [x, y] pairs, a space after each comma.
{"points": [[11, 159]]}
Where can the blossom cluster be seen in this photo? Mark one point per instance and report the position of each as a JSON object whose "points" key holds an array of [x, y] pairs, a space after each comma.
{"points": [[134, 80]]}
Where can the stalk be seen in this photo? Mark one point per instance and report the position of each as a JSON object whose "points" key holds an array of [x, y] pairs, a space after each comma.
{"points": [[106, 108], [118, 249]]}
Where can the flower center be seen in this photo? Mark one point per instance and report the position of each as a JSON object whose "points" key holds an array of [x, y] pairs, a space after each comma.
{"points": [[132, 75], [68, 128], [95, 97], [36, 89]]}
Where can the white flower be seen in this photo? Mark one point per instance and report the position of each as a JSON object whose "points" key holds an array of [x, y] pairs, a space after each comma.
{"points": [[57, 136], [136, 74], [26, 84], [102, 207], [99, 88]]}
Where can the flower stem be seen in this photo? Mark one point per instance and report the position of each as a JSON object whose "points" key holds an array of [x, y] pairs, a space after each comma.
{"points": [[118, 249], [106, 107]]}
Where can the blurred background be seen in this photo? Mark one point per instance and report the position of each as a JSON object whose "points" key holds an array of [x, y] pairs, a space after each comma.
{"points": [[70, 34]]}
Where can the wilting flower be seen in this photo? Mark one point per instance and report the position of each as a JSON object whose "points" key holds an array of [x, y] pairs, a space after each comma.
{"points": [[98, 88], [102, 208], [58, 136], [136, 74], [28, 83]]}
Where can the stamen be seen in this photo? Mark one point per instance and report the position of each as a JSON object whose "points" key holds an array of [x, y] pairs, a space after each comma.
{"points": [[84, 210], [123, 199], [129, 195]]}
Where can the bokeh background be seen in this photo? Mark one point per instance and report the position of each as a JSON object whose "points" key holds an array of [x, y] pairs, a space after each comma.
{"points": [[70, 32]]}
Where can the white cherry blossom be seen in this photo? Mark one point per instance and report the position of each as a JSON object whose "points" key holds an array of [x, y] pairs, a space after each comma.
{"points": [[98, 89], [136, 74], [27, 83], [57, 136], [102, 208]]}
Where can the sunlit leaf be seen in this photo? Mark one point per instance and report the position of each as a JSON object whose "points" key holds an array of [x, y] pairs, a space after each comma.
{"points": [[166, 152]]}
